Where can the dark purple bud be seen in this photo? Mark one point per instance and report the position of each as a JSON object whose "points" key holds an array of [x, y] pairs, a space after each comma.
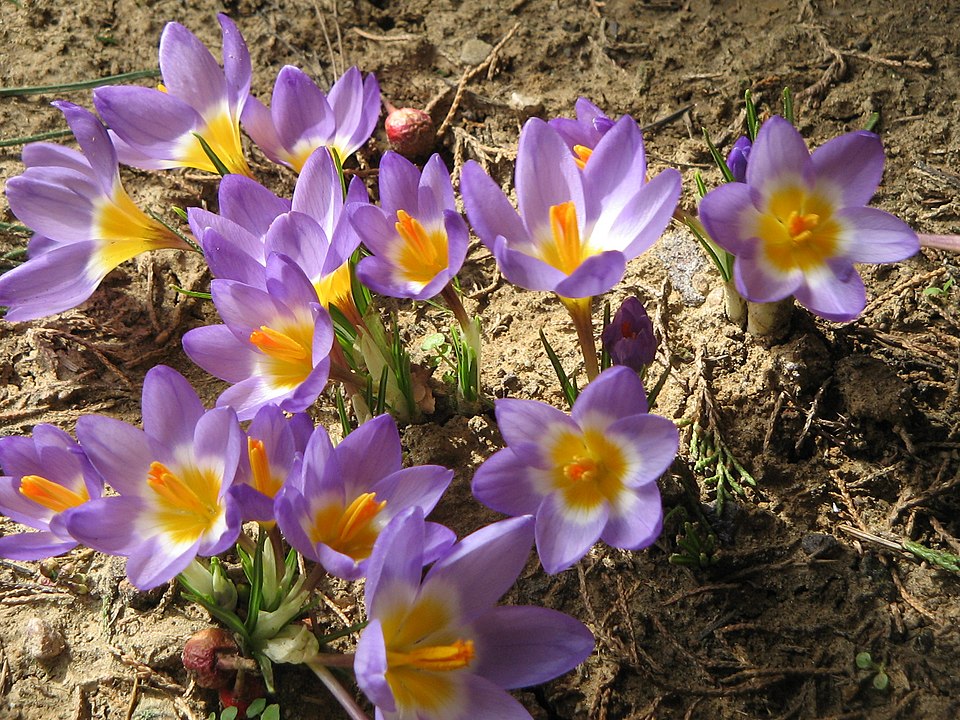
{"points": [[738, 157], [629, 338]]}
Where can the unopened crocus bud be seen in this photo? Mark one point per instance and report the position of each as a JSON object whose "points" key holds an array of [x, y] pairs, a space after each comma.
{"points": [[410, 132], [629, 338], [738, 157], [202, 653], [224, 591]]}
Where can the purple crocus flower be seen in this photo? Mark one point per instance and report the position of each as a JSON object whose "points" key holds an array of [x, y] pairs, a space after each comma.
{"points": [[275, 444], [629, 338], [438, 648], [274, 346], [575, 230], [738, 157], [86, 223], [313, 231], [156, 129], [583, 134], [345, 495], [798, 223], [417, 237], [301, 118], [586, 476], [46, 477], [172, 477]]}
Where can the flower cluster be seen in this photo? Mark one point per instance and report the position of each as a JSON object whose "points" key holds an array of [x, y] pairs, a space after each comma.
{"points": [[292, 284]]}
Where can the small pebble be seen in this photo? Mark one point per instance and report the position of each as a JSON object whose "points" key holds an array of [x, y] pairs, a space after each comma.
{"points": [[41, 640], [474, 51]]}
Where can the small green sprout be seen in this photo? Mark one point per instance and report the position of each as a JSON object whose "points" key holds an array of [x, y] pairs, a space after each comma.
{"points": [[881, 681], [713, 458], [258, 708], [938, 291], [696, 547]]}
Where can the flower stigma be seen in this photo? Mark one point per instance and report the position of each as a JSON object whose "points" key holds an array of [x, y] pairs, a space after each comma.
{"points": [[588, 469], [436, 658], [422, 255], [189, 506], [51, 495], [798, 230], [566, 251], [352, 530], [582, 155]]}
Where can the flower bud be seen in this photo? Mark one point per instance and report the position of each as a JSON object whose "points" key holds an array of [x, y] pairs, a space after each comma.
{"points": [[202, 653], [738, 157], [629, 338], [410, 132]]}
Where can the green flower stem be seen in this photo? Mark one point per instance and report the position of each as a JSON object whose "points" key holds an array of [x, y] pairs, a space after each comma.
{"points": [[82, 85], [579, 309]]}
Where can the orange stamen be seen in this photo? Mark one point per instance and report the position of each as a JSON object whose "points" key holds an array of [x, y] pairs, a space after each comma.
{"points": [[278, 345], [51, 495], [437, 658]]}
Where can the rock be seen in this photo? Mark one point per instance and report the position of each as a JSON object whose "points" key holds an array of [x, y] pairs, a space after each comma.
{"points": [[42, 641], [474, 51]]}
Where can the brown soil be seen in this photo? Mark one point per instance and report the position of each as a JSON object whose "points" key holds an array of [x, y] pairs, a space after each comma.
{"points": [[842, 426]]}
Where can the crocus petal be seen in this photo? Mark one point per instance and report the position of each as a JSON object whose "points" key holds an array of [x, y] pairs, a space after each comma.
{"points": [[565, 534], [546, 175], [435, 190], [399, 183], [370, 666], [594, 276], [317, 192], [148, 119], [421, 485], [502, 483], [218, 351], [154, 562], [119, 452], [55, 202], [618, 161], [116, 537], [526, 421], [249, 204], [646, 215], [356, 118], [488, 209], [300, 110], [374, 227], [758, 282], [34, 545], [44, 154], [636, 519], [778, 153], [524, 270], [217, 442], [523, 646], [849, 167], [484, 565], [171, 407], [875, 236], [654, 441], [94, 142], [236, 63], [257, 121], [238, 258], [366, 468], [189, 70], [614, 394], [728, 214], [480, 698], [49, 283], [835, 293], [396, 563]]}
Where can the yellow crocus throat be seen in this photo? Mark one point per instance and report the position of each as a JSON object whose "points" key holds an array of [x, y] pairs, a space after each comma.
{"points": [[565, 250], [123, 231], [287, 352], [421, 254], [337, 289], [351, 530], [588, 469], [435, 658], [188, 504], [51, 495], [797, 230], [222, 133]]}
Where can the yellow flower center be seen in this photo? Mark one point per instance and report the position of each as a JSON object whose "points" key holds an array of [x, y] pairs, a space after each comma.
{"points": [[222, 134], [51, 495], [187, 506], [588, 469], [351, 531], [336, 289], [798, 231], [565, 251], [421, 255], [582, 154], [288, 358]]}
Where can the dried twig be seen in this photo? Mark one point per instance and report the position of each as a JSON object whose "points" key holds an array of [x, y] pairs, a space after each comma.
{"points": [[468, 75]]}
